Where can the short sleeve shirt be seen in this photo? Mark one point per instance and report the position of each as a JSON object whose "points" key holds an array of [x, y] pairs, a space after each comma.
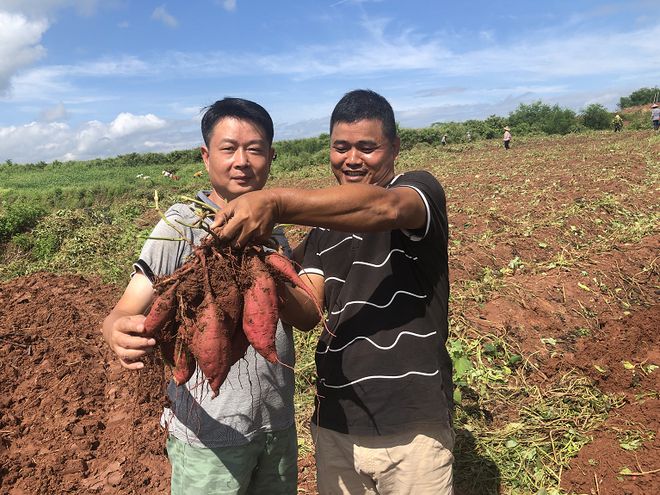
{"points": [[383, 364], [257, 396]]}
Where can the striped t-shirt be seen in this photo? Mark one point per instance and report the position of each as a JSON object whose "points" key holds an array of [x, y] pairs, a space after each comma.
{"points": [[386, 367]]}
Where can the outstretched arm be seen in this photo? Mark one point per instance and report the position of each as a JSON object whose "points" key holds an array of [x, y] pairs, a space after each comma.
{"points": [[348, 208]]}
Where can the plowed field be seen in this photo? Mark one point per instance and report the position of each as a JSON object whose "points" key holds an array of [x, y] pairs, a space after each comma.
{"points": [[554, 261]]}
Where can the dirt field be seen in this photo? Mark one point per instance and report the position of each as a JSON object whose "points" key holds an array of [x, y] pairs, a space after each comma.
{"points": [[581, 300]]}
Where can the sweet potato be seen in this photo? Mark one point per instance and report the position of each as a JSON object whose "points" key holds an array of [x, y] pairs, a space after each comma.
{"points": [[167, 341], [184, 363], [260, 311], [211, 342], [162, 311]]}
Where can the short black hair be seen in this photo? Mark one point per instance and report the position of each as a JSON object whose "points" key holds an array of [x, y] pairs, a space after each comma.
{"points": [[361, 104], [237, 108]]}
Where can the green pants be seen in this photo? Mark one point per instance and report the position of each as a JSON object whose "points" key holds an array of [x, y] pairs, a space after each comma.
{"points": [[268, 464]]}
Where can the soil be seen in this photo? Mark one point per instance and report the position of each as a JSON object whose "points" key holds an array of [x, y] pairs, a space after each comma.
{"points": [[73, 421]]}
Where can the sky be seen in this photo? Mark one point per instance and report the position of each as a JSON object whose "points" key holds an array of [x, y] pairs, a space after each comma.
{"points": [[84, 79]]}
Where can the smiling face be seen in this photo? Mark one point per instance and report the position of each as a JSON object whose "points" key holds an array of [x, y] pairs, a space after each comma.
{"points": [[237, 159], [361, 154]]}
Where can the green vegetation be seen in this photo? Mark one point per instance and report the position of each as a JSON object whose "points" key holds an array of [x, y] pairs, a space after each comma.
{"points": [[596, 117], [642, 96], [529, 213], [534, 119]]}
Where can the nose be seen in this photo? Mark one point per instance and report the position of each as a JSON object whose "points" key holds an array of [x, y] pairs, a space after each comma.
{"points": [[354, 157], [241, 158]]}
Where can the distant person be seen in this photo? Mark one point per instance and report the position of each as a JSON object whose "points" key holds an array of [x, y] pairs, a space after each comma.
{"points": [[443, 141], [655, 116], [243, 441], [507, 138], [468, 136], [617, 123]]}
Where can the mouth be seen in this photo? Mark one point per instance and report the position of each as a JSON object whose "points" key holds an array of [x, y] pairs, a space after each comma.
{"points": [[356, 174], [242, 179]]}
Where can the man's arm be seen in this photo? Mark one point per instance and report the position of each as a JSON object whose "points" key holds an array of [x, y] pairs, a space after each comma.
{"points": [[347, 208], [123, 328], [298, 310]]}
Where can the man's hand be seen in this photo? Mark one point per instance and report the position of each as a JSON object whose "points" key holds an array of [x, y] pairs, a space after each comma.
{"points": [[126, 338], [250, 217]]}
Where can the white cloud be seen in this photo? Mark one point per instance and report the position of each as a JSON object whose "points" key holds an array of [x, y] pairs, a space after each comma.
{"points": [[229, 5], [554, 56], [161, 14], [39, 141], [561, 56], [19, 45], [58, 82], [379, 52], [127, 123], [57, 113]]}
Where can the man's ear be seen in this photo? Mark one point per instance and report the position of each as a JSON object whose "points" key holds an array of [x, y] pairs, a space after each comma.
{"points": [[396, 146], [205, 156], [272, 155]]}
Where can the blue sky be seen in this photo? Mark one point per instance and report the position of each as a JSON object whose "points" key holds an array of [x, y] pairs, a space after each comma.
{"points": [[82, 79]]}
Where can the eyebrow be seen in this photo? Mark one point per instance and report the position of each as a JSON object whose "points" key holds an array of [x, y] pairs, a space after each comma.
{"points": [[249, 143], [359, 143]]}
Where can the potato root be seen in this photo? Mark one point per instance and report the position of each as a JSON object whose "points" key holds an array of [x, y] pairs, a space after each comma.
{"points": [[260, 311], [211, 309]]}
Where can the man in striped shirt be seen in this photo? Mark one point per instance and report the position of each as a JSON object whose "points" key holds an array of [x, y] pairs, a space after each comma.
{"points": [[377, 260]]}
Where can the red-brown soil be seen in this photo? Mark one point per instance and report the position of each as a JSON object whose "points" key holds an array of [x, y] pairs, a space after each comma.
{"points": [[73, 421]]}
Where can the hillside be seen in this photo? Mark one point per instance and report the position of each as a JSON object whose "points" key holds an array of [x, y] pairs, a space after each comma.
{"points": [[553, 321]]}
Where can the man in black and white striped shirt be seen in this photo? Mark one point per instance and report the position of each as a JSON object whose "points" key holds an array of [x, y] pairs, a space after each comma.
{"points": [[377, 259]]}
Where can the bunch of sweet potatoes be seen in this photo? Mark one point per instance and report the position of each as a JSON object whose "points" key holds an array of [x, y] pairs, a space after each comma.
{"points": [[210, 310]]}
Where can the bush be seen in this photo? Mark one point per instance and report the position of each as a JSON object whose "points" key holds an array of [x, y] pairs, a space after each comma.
{"points": [[596, 117], [296, 161], [19, 217], [91, 240], [541, 117], [411, 137], [306, 145]]}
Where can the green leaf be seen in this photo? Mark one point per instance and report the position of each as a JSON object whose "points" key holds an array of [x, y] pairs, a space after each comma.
{"points": [[631, 445], [461, 366], [515, 359], [628, 365], [549, 341], [458, 396], [490, 348], [511, 443]]}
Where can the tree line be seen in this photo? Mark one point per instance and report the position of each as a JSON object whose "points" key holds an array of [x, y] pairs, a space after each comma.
{"points": [[531, 119], [538, 118]]}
